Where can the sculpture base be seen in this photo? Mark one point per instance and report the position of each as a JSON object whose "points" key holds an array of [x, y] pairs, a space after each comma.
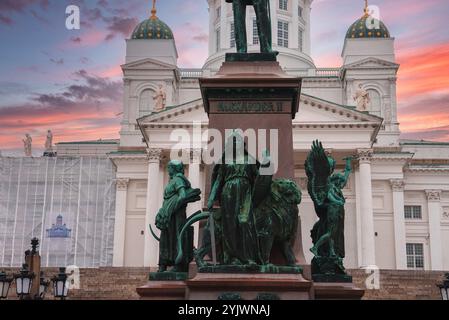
{"points": [[168, 276], [329, 269], [337, 291], [253, 269], [248, 57], [332, 278], [162, 290], [240, 286]]}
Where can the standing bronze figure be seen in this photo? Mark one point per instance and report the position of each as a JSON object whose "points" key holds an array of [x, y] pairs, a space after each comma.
{"points": [[262, 9], [325, 188], [172, 217], [232, 185]]}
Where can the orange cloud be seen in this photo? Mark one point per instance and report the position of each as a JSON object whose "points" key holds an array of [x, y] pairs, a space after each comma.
{"points": [[424, 71]]}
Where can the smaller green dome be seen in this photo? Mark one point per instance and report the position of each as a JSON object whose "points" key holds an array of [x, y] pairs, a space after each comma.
{"points": [[360, 28], [152, 28]]}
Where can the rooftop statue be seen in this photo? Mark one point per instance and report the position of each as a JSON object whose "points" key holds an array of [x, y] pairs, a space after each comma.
{"points": [[362, 98], [27, 145], [325, 188], [49, 142], [263, 20]]}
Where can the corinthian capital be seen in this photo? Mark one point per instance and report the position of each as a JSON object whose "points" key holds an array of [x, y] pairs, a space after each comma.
{"points": [[122, 183], [433, 195], [397, 184], [154, 154], [365, 155]]}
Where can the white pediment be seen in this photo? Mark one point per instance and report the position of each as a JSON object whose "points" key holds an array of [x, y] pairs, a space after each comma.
{"points": [[370, 63], [184, 114], [148, 64], [312, 110]]}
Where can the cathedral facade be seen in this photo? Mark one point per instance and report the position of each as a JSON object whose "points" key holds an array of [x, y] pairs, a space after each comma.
{"points": [[397, 210]]}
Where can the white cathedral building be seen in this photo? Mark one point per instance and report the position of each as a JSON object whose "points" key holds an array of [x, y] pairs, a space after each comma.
{"points": [[397, 209]]}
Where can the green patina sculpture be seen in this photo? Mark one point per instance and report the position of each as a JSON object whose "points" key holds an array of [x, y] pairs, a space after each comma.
{"points": [[257, 216], [232, 185], [325, 189], [172, 217], [263, 18]]}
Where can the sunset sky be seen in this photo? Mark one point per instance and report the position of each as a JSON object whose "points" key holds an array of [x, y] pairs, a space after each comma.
{"points": [[70, 81]]}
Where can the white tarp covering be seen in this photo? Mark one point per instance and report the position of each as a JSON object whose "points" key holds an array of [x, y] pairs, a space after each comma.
{"points": [[36, 193]]}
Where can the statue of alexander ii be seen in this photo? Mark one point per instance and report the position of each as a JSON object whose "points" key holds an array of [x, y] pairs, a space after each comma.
{"points": [[262, 9]]}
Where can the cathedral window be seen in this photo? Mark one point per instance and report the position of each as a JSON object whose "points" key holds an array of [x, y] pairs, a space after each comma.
{"points": [[218, 13], [300, 11], [375, 102], [255, 32], [217, 39], [415, 256], [283, 5], [232, 44], [282, 33], [146, 102], [300, 39], [413, 212]]}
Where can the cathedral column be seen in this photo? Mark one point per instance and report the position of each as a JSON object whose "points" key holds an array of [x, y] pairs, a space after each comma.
{"points": [[397, 186], [274, 5], [127, 84], [151, 246], [295, 25], [211, 26], [195, 181], [224, 34], [118, 259], [366, 208], [434, 212]]}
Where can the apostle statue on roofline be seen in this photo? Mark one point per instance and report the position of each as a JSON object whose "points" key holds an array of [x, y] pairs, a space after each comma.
{"points": [[27, 145]]}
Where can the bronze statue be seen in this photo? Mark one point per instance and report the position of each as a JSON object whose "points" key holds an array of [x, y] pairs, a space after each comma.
{"points": [[262, 9], [172, 217], [254, 227], [325, 188], [232, 185]]}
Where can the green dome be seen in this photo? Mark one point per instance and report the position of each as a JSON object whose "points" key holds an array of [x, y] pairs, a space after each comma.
{"points": [[359, 29], [152, 28]]}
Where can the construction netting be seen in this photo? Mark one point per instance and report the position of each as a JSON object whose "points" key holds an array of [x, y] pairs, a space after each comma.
{"points": [[67, 203]]}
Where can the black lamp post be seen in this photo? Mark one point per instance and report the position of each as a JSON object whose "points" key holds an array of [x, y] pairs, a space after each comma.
{"points": [[60, 288], [24, 281], [5, 284], [444, 287]]}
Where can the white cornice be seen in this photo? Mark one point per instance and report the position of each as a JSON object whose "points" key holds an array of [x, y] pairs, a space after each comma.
{"points": [[378, 63], [427, 169]]}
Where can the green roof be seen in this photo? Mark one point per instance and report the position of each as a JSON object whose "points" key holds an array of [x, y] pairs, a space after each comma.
{"points": [[423, 143], [152, 29], [367, 27], [91, 142]]}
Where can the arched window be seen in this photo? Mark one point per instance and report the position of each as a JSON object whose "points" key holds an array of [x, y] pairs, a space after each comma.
{"points": [[375, 106], [146, 102]]}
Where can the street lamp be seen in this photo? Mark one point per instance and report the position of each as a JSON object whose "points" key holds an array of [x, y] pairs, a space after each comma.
{"points": [[444, 287], [60, 289], [5, 284], [24, 280]]}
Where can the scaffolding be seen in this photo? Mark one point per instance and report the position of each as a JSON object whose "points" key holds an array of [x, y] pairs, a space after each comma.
{"points": [[37, 194]]}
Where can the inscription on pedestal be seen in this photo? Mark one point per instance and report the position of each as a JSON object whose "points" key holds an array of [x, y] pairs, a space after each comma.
{"points": [[250, 106]]}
